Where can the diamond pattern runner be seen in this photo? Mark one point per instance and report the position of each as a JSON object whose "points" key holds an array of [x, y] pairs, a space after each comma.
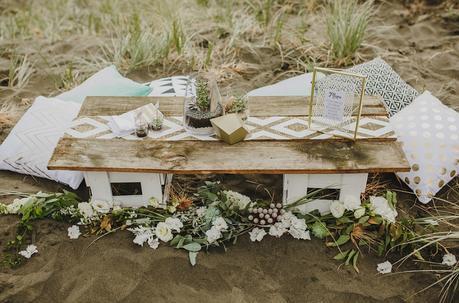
{"points": [[260, 128]]}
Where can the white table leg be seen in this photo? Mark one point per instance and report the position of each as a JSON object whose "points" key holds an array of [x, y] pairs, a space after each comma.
{"points": [[297, 186], [151, 185]]}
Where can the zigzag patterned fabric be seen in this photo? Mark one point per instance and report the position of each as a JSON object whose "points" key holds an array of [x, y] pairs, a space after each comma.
{"points": [[172, 86], [384, 81], [30, 144]]}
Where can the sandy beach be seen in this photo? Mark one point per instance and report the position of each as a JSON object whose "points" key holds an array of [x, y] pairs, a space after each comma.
{"points": [[419, 39]]}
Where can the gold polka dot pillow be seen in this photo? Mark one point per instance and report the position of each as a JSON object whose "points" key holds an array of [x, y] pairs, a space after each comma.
{"points": [[429, 133]]}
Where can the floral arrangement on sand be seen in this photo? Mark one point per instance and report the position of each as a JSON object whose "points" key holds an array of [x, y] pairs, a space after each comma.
{"points": [[215, 217]]}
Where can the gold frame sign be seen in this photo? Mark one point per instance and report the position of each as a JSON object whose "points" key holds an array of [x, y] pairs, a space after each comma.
{"points": [[336, 101]]}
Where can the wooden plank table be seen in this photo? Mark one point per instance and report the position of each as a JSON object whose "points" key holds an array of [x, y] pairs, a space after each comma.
{"points": [[305, 164]]}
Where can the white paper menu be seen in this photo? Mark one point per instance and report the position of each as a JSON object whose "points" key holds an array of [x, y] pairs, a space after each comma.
{"points": [[334, 105]]}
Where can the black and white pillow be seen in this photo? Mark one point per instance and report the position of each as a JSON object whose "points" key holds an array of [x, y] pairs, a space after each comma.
{"points": [[172, 86], [382, 80]]}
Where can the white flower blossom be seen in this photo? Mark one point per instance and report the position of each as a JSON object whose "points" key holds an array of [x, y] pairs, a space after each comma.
{"points": [[359, 212], [171, 208], [153, 242], [286, 220], [142, 234], [384, 268], [382, 208], [74, 232], [299, 234], [236, 199], [213, 234], [257, 234], [201, 211], [16, 205], [277, 230], [174, 224], [449, 260], [101, 207], [153, 202], [220, 224], [145, 235], [337, 209], [351, 202], [163, 232], [86, 210], [29, 251], [116, 208]]}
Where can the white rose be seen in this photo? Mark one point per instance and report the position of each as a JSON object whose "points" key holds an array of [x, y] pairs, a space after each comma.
{"points": [[101, 206], [359, 212], [29, 251], [382, 208], [239, 200], [86, 209], [213, 234], [174, 224], [351, 202], [337, 209], [220, 224], [163, 232], [257, 234], [384, 268], [74, 232], [449, 260]]}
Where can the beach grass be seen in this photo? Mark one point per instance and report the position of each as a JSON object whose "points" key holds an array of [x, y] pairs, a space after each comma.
{"points": [[347, 22]]}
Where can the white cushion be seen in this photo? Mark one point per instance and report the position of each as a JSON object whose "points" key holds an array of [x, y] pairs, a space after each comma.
{"points": [[31, 142], [429, 132], [171, 86], [295, 86], [106, 82]]}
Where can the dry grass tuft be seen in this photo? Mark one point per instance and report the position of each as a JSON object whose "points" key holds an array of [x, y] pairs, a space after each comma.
{"points": [[347, 21]]}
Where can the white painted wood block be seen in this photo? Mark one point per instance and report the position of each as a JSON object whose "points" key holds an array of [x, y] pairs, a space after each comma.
{"points": [[99, 184], [152, 185], [297, 186]]}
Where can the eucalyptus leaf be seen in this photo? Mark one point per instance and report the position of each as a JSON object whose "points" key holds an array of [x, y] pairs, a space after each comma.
{"points": [[364, 219], [176, 240], [350, 256], [193, 246], [192, 256], [341, 256], [354, 262], [341, 240]]}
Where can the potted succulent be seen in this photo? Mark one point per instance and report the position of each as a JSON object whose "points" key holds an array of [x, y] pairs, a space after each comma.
{"points": [[237, 105], [202, 103]]}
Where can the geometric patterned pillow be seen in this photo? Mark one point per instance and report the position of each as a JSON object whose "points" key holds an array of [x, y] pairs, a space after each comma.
{"points": [[429, 133], [30, 144], [383, 81], [172, 86]]}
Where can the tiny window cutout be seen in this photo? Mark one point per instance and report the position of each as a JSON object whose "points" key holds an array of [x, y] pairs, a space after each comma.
{"points": [[324, 193], [126, 189]]}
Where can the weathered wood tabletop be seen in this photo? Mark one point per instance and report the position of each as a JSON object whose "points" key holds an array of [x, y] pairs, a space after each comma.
{"points": [[190, 157]]}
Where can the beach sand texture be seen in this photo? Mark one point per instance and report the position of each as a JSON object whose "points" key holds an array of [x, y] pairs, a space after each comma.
{"points": [[421, 42]]}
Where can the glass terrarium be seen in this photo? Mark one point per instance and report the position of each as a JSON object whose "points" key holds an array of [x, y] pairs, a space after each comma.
{"points": [[202, 103]]}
